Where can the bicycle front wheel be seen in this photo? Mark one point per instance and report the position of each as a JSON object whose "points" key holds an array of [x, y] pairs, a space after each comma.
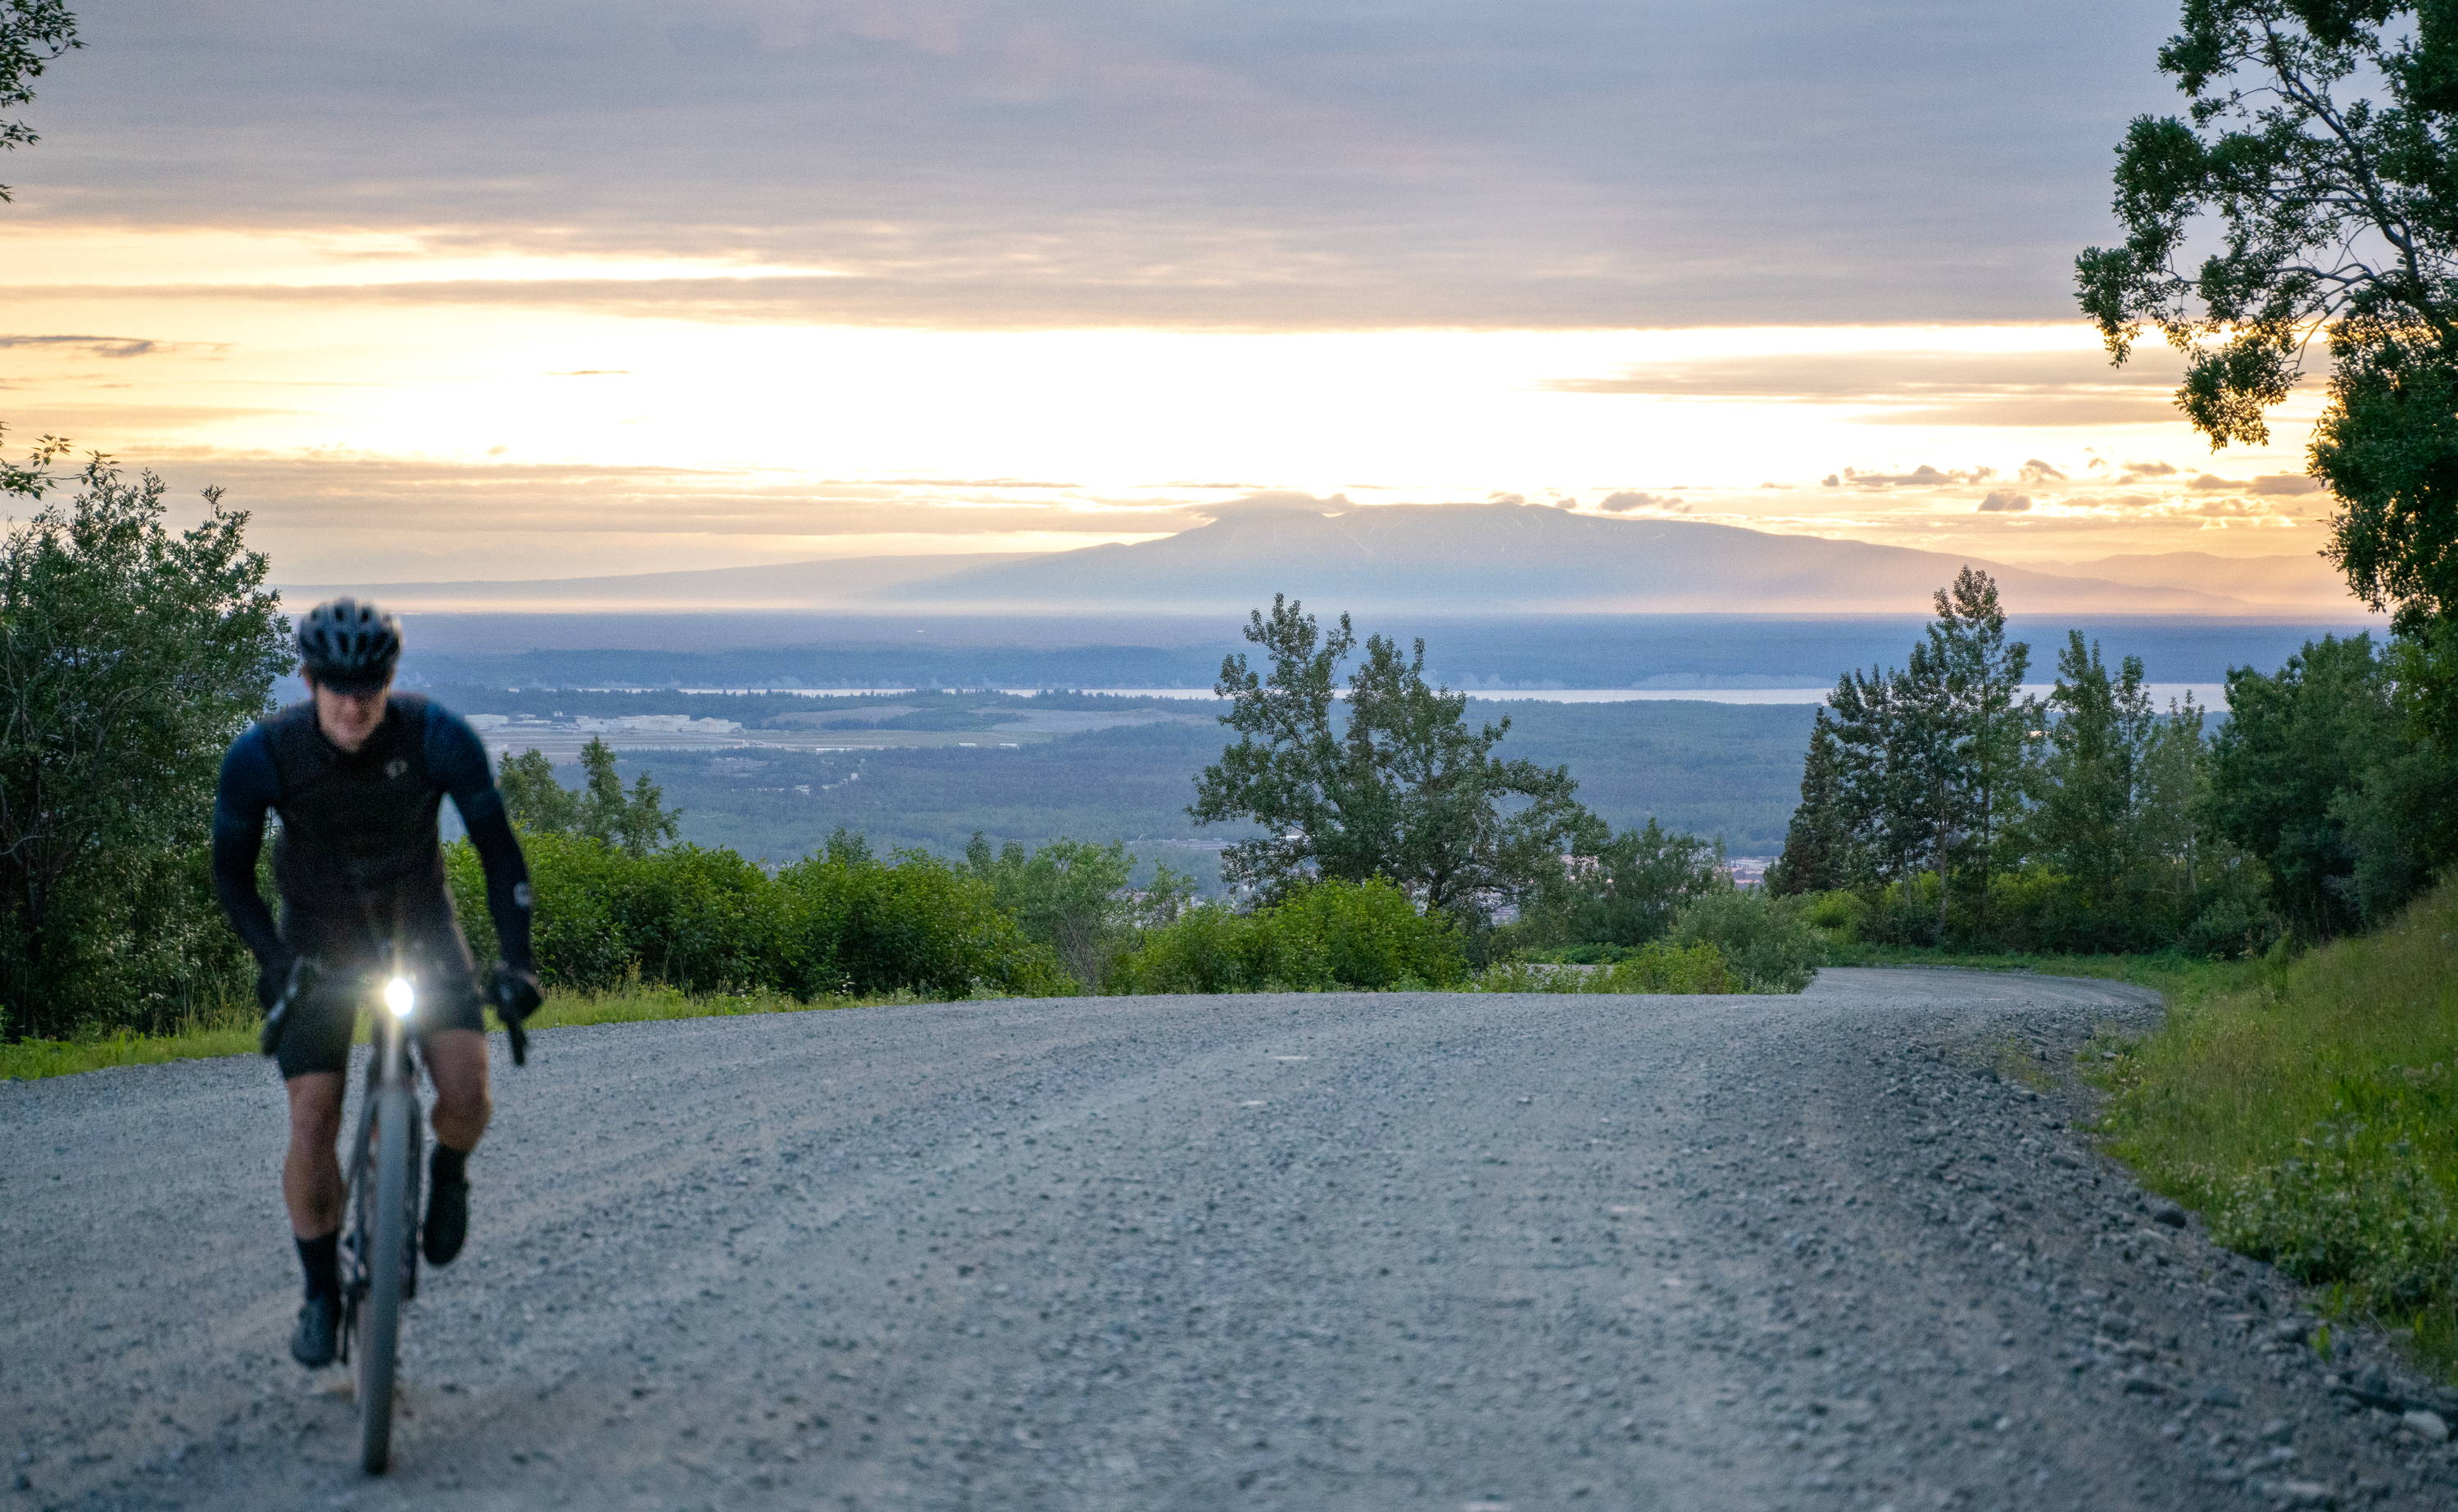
{"points": [[387, 1224]]}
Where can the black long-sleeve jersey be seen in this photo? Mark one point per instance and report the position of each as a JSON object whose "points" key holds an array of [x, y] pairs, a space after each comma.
{"points": [[358, 862]]}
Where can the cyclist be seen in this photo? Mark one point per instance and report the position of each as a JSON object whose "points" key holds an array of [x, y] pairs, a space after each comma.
{"points": [[358, 774]]}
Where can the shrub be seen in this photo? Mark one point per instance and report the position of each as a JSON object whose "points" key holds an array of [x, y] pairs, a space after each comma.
{"points": [[1077, 898], [2305, 1106], [1766, 940], [1838, 914], [1210, 947], [2232, 928], [131, 654], [1658, 966], [858, 924], [708, 920], [1331, 936], [2353, 1207], [1369, 936]]}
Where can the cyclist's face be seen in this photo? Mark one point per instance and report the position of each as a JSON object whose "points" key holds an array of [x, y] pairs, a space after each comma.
{"points": [[349, 719]]}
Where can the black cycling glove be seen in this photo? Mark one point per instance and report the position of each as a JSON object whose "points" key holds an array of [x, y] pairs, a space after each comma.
{"points": [[514, 991]]}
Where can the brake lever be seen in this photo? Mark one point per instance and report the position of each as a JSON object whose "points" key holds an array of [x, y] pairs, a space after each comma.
{"points": [[515, 1024]]}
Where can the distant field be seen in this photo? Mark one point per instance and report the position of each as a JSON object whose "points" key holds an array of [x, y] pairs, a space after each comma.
{"points": [[1714, 769], [1598, 651]]}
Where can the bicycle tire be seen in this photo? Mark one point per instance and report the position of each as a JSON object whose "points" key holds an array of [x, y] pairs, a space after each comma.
{"points": [[388, 1251]]}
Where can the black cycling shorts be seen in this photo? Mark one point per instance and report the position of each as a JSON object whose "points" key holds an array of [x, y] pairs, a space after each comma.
{"points": [[316, 1035]]}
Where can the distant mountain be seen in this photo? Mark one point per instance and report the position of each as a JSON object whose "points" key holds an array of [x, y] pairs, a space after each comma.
{"points": [[2302, 582], [1440, 559], [844, 582], [1505, 558]]}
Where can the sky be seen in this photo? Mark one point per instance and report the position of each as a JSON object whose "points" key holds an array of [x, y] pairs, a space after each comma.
{"points": [[527, 288]]}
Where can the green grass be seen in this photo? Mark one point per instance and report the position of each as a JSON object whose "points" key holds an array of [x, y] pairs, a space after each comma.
{"points": [[2309, 1111], [2306, 1107], [234, 1032], [200, 1040], [1656, 968]]}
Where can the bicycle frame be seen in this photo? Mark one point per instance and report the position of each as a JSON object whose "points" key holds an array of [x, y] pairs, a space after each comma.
{"points": [[380, 1259]]}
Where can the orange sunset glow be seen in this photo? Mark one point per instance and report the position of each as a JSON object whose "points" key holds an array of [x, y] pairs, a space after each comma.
{"points": [[861, 280]]}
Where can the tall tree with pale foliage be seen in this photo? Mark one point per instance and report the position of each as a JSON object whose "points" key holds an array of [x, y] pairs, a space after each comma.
{"points": [[1389, 781]]}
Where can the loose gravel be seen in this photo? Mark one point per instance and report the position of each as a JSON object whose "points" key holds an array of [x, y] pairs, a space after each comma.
{"points": [[1839, 1250]]}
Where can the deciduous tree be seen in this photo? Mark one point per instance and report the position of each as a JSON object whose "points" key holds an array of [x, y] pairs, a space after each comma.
{"points": [[2311, 188], [2313, 774], [1392, 781], [536, 801], [1624, 888], [636, 822], [131, 654], [33, 34], [1074, 898]]}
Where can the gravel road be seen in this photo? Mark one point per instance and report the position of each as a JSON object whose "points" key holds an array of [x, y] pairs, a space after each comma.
{"points": [[1323, 1251]]}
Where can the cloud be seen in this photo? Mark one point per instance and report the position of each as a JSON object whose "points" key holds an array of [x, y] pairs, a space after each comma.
{"points": [[2274, 484], [89, 346], [2150, 469], [1923, 476], [1626, 501], [2005, 502], [2037, 472], [360, 494], [1270, 501], [2016, 389], [965, 159]]}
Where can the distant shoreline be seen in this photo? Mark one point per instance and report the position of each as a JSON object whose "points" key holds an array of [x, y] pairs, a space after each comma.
{"points": [[2208, 694]]}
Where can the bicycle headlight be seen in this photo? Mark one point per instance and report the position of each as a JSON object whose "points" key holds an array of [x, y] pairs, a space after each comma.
{"points": [[399, 997]]}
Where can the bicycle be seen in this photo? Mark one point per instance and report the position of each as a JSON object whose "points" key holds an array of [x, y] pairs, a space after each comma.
{"points": [[379, 1257]]}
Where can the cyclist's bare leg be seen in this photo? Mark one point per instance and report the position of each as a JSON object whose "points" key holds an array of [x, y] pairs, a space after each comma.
{"points": [[311, 1172], [456, 1063]]}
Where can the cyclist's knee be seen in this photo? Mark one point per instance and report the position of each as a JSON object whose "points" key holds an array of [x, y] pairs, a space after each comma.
{"points": [[315, 1108], [469, 1109], [456, 1062]]}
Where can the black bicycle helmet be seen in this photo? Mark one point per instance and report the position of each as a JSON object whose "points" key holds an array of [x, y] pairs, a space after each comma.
{"points": [[349, 646]]}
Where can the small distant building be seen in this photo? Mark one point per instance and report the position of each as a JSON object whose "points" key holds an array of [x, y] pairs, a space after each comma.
{"points": [[1748, 871]]}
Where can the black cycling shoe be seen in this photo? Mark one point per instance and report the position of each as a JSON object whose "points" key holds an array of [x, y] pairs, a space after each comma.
{"points": [[447, 1221], [319, 1327]]}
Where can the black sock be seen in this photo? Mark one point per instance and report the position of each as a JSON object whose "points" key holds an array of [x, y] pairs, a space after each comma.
{"points": [[321, 1260], [447, 1167]]}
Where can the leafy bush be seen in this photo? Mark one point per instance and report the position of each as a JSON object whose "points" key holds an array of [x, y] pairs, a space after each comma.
{"points": [[637, 821], [1331, 936], [1369, 936], [132, 653], [2352, 1208], [1838, 915], [1075, 897], [2305, 1106], [1766, 940], [1655, 967], [2232, 928], [1627, 892], [863, 925], [1211, 947], [707, 920]]}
